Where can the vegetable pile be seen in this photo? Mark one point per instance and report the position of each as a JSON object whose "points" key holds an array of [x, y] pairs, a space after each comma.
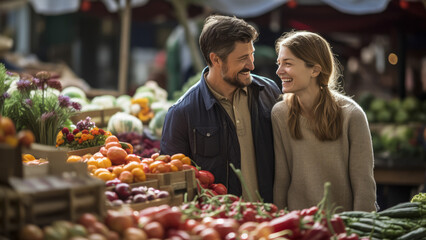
{"points": [[403, 221]]}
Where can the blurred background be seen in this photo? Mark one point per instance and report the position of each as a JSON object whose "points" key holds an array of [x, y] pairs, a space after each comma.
{"points": [[116, 46]]}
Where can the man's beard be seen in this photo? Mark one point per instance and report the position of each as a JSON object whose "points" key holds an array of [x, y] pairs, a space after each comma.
{"points": [[233, 80]]}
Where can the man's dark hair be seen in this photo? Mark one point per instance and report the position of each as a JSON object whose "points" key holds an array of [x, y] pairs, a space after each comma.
{"points": [[220, 33]]}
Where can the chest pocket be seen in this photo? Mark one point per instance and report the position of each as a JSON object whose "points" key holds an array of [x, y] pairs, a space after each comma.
{"points": [[207, 141]]}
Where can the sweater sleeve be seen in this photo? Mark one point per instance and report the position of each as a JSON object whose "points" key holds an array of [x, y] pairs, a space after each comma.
{"points": [[361, 161], [282, 173]]}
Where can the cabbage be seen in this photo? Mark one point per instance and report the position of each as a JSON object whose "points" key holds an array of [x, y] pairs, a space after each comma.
{"points": [[104, 101], [74, 92]]}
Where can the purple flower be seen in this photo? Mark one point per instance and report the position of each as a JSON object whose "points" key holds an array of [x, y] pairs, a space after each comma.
{"points": [[38, 83], [5, 95], [9, 73], [64, 101], [48, 115], [28, 102], [85, 124], [76, 106], [54, 83], [23, 85]]}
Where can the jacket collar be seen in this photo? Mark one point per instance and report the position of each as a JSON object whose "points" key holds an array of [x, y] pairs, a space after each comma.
{"points": [[208, 97]]}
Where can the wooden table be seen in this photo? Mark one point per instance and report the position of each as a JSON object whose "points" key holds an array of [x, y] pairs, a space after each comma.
{"points": [[400, 176]]}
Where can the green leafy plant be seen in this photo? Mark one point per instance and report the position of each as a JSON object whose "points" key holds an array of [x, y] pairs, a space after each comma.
{"points": [[34, 103]]}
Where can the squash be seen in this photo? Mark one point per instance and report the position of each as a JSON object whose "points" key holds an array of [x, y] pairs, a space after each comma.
{"points": [[156, 124], [123, 123]]}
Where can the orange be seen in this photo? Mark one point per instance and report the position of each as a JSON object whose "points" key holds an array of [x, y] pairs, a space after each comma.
{"points": [[117, 155], [104, 162], [177, 163], [117, 170], [155, 165], [177, 156], [105, 176], [99, 170], [112, 144], [91, 168], [126, 177], [138, 175], [173, 168], [131, 165], [111, 138], [133, 158], [98, 155], [186, 160], [74, 158], [148, 161], [27, 157], [92, 161]]}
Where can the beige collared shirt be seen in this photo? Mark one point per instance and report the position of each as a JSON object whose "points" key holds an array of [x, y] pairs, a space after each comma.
{"points": [[238, 110]]}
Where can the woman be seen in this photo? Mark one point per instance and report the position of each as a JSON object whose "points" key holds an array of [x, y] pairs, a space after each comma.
{"points": [[320, 135]]}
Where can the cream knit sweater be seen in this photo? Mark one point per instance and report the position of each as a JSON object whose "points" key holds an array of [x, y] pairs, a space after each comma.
{"points": [[303, 166]]}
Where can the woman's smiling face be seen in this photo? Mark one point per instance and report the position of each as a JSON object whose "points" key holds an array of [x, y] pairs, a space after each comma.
{"points": [[293, 72]]}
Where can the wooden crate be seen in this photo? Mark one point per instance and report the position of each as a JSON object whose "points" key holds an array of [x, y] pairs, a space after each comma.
{"points": [[11, 213], [57, 158], [99, 117], [44, 200], [82, 152], [11, 163], [181, 181]]}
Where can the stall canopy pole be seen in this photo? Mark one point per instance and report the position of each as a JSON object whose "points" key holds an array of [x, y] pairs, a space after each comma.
{"points": [[126, 15]]}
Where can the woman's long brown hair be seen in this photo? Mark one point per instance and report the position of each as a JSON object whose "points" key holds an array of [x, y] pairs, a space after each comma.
{"points": [[313, 49]]}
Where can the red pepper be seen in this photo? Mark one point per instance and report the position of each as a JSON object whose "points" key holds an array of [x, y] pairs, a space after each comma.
{"points": [[338, 224], [317, 232], [309, 211], [290, 221]]}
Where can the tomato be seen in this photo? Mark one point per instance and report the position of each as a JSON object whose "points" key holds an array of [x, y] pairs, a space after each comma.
{"points": [[188, 225], [133, 233], [87, 219], [178, 234], [206, 177], [154, 230], [219, 188], [170, 218], [224, 226], [209, 234]]}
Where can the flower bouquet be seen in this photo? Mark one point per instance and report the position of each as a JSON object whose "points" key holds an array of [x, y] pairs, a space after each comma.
{"points": [[35, 103], [85, 135]]}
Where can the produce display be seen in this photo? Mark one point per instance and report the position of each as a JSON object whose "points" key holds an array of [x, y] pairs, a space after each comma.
{"points": [[127, 153], [398, 127], [402, 221]]}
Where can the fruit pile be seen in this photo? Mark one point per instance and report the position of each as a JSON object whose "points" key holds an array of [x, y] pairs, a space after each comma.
{"points": [[30, 160], [123, 193], [143, 145], [9, 136]]}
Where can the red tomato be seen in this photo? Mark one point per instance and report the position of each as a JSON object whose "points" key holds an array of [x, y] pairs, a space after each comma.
{"points": [[154, 230], [219, 188]]}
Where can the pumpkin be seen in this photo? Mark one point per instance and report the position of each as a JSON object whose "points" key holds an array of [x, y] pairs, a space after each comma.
{"points": [[123, 123]]}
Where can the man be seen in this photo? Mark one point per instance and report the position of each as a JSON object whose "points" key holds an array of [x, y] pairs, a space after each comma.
{"points": [[225, 117]]}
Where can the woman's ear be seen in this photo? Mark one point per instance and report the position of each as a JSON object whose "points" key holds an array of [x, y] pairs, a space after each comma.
{"points": [[316, 70]]}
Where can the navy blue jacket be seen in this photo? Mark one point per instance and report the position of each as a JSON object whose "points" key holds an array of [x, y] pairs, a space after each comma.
{"points": [[199, 127]]}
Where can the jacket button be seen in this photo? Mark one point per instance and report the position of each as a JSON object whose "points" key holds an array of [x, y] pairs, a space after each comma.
{"points": [[208, 134]]}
